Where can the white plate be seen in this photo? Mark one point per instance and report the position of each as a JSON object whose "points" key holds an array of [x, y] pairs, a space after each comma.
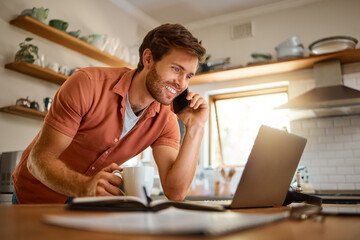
{"points": [[332, 44]]}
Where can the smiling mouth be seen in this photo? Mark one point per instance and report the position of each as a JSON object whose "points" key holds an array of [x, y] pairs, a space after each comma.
{"points": [[173, 91]]}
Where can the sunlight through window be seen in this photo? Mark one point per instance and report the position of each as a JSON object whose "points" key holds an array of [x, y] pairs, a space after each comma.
{"points": [[236, 119]]}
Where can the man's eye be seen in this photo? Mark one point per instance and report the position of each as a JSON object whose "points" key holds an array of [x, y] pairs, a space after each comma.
{"points": [[188, 76], [176, 69]]}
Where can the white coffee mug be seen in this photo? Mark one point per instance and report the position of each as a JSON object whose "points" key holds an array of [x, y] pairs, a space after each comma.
{"points": [[135, 178]]}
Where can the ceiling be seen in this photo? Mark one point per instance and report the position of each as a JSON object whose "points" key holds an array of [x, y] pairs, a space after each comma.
{"points": [[199, 13], [186, 11]]}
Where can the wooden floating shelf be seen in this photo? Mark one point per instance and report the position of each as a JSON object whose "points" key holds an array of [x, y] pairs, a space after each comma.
{"points": [[24, 112], [32, 25], [37, 71], [347, 56]]}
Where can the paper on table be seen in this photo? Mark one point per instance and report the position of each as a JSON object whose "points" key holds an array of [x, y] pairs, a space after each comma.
{"points": [[168, 221]]}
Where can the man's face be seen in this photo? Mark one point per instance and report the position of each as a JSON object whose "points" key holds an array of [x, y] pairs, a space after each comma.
{"points": [[170, 76]]}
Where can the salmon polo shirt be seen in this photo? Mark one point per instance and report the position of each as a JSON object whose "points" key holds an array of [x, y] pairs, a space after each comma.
{"points": [[89, 107]]}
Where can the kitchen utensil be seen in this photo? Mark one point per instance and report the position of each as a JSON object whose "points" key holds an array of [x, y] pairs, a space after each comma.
{"points": [[111, 44], [287, 53], [64, 70], [53, 66], [332, 44], [223, 174], [211, 65], [34, 105], [97, 40], [290, 48], [74, 33], [39, 14], [25, 102], [59, 24], [231, 173]]}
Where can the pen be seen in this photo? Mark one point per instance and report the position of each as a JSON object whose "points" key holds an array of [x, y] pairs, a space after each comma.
{"points": [[148, 199]]}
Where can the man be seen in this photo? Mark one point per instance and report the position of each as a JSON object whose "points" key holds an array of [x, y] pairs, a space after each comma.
{"points": [[101, 117]]}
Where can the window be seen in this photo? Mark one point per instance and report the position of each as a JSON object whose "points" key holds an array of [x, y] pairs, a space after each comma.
{"points": [[235, 121]]}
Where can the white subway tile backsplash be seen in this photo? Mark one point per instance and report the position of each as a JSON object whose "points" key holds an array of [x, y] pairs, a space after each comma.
{"points": [[336, 179], [343, 138], [355, 136], [319, 179], [328, 170], [352, 178], [325, 123], [344, 154], [357, 153], [332, 154], [351, 162], [335, 162], [335, 146], [317, 147], [345, 170], [328, 186], [346, 186], [334, 131], [352, 129], [310, 155], [309, 124], [355, 121], [340, 122], [326, 139], [352, 145], [317, 132]]}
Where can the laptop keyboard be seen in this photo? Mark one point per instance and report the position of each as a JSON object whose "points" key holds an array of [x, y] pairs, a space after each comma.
{"points": [[225, 203]]}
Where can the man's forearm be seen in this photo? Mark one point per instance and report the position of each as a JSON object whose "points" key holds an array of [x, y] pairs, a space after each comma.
{"points": [[53, 173], [183, 170]]}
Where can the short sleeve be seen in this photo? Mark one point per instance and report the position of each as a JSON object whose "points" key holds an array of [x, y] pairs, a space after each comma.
{"points": [[170, 135], [71, 102]]}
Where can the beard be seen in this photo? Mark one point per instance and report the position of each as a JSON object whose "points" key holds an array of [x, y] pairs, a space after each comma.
{"points": [[156, 86]]}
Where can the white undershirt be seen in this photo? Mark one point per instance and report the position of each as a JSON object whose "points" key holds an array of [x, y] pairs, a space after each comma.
{"points": [[130, 119]]}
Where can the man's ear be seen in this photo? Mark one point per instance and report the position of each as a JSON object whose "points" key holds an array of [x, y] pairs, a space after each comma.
{"points": [[147, 58]]}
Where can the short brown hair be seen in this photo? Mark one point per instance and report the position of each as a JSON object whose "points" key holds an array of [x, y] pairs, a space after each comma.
{"points": [[167, 36]]}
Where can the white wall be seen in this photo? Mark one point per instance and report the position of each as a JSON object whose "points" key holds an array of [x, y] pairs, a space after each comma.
{"points": [[90, 16]]}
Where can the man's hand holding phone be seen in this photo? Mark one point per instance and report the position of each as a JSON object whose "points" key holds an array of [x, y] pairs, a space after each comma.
{"points": [[191, 108]]}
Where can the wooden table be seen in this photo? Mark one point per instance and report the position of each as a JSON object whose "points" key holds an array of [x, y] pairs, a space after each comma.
{"points": [[25, 222]]}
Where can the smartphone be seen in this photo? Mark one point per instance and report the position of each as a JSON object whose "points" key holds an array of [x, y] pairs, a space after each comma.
{"points": [[180, 102]]}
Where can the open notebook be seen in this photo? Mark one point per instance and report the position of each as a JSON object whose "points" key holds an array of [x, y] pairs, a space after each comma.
{"points": [[269, 170]]}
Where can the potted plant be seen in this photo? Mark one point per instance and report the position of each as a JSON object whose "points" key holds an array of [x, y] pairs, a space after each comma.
{"points": [[28, 52]]}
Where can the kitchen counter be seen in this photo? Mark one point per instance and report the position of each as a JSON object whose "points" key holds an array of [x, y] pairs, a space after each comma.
{"points": [[25, 222]]}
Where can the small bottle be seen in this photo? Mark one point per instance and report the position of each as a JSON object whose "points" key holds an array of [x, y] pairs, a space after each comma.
{"points": [[47, 103]]}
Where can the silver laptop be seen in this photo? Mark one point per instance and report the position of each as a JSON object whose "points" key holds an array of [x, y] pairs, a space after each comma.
{"points": [[269, 170]]}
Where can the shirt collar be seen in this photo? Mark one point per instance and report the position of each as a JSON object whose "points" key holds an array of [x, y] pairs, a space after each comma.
{"points": [[122, 88]]}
